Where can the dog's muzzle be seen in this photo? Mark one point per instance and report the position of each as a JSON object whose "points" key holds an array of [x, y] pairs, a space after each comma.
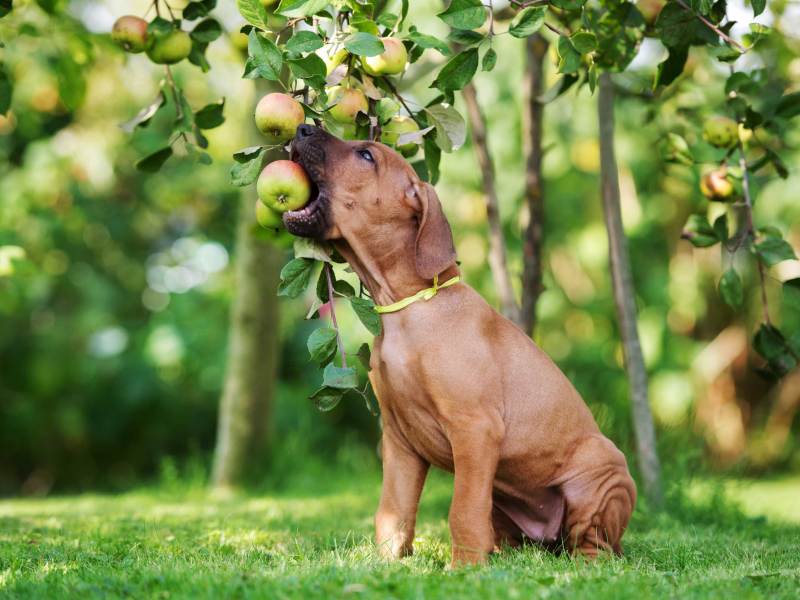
{"points": [[308, 149]]}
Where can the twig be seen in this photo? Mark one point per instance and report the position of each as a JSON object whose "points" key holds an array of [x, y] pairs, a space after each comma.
{"points": [[714, 28], [333, 315], [752, 231], [397, 95]]}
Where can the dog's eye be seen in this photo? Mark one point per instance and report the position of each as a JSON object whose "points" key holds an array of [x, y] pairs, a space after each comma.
{"points": [[366, 155]]}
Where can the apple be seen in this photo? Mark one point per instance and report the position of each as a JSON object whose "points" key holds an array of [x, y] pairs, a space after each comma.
{"points": [[390, 62], [283, 185], [131, 33], [347, 103], [278, 116], [397, 126], [170, 48], [650, 10], [716, 185], [333, 60], [721, 132], [268, 218]]}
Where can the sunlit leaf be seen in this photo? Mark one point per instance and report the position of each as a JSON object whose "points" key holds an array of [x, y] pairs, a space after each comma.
{"points": [[321, 345], [464, 14], [528, 21], [773, 249], [458, 72], [304, 41], [340, 378], [300, 8], [265, 56], [364, 44], [254, 12], [365, 311], [451, 130], [295, 277], [245, 172]]}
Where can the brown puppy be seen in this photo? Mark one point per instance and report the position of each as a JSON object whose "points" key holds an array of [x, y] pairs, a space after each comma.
{"points": [[460, 387]]}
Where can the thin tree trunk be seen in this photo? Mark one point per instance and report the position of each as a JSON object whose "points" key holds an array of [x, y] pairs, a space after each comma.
{"points": [[535, 51], [624, 297], [497, 245], [253, 345]]}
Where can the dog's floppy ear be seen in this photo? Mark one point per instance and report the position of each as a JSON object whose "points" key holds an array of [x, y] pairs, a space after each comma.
{"points": [[434, 246]]}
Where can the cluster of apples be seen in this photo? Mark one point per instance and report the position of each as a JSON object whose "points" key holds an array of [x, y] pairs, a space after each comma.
{"points": [[283, 185], [720, 132], [130, 32]]}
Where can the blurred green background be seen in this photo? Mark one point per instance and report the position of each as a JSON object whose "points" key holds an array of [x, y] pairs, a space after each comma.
{"points": [[114, 326]]}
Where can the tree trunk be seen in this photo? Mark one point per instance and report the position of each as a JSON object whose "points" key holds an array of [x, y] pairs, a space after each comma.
{"points": [[535, 51], [253, 345], [497, 245], [625, 299]]}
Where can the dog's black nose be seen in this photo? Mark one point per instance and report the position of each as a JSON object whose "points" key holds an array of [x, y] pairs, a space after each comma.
{"points": [[304, 131]]}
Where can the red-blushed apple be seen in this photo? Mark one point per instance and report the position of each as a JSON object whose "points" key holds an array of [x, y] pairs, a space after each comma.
{"points": [[347, 103], [130, 33], [397, 126], [278, 116], [391, 61], [283, 185], [170, 48], [716, 185], [722, 132]]}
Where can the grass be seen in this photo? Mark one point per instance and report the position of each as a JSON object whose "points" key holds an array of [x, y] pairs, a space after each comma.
{"points": [[312, 540]]}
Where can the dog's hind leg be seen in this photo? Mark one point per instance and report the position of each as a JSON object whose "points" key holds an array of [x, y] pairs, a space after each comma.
{"points": [[600, 499]]}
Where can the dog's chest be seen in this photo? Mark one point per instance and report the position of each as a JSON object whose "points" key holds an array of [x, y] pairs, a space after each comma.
{"points": [[406, 404]]}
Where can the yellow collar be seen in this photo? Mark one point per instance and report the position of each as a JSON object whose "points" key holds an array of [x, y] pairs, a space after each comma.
{"points": [[425, 294]]}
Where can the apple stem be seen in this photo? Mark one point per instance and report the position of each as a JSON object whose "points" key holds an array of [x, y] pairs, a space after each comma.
{"points": [[339, 343]]}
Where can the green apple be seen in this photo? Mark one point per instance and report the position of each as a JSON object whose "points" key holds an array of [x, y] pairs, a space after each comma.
{"points": [[283, 185], [278, 116], [347, 103], [268, 218], [170, 48], [131, 33], [716, 185], [391, 61], [334, 60], [721, 132], [396, 127]]}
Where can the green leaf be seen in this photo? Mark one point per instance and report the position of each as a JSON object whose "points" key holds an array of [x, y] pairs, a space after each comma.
{"points": [[672, 67], [197, 56], [300, 8], [308, 248], [489, 60], [772, 250], [385, 109], [569, 58], [304, 41], [197, 9], [210, 115], [159, 27], [433, 156], [326, 398], [71, 82], [6, 90], [451, 130], [423, 40], [730, 288], [788, 106], [677, 26], [153, 162], [365, 311], [142, 118], [340, 378], [458, 71], [364, 355], [388, 20], [771, 344], [364, 44], [584, 41], [758, 6], [309, 67], [246, 172], [206, 31], [265, 56], [5, 7], [464, 37], [569, 4], [721, 227], [254, 12], [699, 232], [321, 345], [528, 21], [464, 14], [247, 154], [295, 276]]}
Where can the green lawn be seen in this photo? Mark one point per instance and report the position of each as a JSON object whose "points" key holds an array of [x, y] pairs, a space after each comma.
{"points": [[316, 544]]}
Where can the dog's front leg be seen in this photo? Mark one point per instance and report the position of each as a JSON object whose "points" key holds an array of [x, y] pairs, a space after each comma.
{"points": [[476, 447], [404, 473]]}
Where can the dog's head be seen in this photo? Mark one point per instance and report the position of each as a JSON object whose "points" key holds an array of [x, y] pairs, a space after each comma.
{"points": [[365, 190]]}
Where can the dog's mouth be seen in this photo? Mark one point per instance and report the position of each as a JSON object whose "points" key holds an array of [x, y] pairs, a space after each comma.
{"points": [[311, 221]]}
